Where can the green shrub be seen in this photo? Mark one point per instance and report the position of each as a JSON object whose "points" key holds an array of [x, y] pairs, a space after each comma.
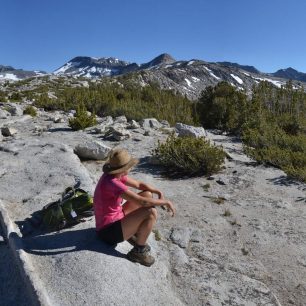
{"points": [[30, 110], [188, 156], [82, 120], [222, 107]]}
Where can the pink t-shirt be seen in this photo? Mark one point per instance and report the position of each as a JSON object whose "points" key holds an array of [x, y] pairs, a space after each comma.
{"points": [[107, 200]]}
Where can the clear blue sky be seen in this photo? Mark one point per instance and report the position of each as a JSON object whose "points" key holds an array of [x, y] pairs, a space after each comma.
{"points": [[44, 34]]}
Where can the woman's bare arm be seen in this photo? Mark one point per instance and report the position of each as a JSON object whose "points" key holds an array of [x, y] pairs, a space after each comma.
{"points": [[143, 186], [147, 202]]}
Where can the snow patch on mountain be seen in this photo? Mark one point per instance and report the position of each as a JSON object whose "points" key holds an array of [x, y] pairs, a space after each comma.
{"points": [[211, 73], [274, 82], [235, 77], [9, 76]]}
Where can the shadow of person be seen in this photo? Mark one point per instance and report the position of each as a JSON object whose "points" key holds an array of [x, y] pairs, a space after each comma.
{"points": [[68, 241]]}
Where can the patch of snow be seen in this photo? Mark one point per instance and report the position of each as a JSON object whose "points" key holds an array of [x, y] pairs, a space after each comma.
{"points": [[168, 66], [235, 77], [189, 83], [9, 76], [211, 73], [274, 82], [182, 70], [207, 69], [190, 63], [246, 73], [63, 68], [195, 79]]}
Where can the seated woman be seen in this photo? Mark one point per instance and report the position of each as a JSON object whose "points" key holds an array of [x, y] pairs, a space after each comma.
{"points": [[132, 220]]}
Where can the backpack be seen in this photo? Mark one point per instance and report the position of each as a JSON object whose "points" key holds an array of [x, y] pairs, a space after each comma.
{"points": [[75, 204]]}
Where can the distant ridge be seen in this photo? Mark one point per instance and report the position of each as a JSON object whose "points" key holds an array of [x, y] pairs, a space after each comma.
{"points": [[251, 69], [290, 73]]}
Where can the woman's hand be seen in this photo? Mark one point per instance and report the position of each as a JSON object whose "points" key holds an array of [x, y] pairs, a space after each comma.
{"points": [[160, 195], [170, 207]]}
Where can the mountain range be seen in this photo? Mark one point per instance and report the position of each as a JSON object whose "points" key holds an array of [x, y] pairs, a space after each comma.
{"points": [[187, 77]]}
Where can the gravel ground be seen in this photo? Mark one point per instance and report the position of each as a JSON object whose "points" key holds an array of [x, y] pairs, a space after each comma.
{"points": [[12, 291]]}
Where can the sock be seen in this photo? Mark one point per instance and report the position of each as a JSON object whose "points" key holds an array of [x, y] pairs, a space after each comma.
{"points": [[140, 248]]}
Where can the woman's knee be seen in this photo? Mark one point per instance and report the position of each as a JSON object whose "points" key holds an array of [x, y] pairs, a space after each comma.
{"points": [[146, 194], [153, 212]]}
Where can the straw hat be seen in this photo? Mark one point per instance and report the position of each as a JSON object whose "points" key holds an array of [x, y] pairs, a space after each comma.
{"points": [[119, 160]]}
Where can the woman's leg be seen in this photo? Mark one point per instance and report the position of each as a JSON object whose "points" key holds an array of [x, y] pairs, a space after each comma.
{"points": [[140, 221]]}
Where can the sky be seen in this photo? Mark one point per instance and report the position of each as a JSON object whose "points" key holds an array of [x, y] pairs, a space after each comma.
{"points": [[45, 34]]}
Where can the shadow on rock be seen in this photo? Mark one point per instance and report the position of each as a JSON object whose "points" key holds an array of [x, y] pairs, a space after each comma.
{"points": [[146, 166], [67, 242], [284, 181], [63, 129]]}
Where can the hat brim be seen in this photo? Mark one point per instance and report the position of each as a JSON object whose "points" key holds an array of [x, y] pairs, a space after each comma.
{"points": [[111, 170]]}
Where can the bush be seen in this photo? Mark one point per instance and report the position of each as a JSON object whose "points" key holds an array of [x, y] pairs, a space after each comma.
{"points": [[188, 156], [30, 110], [82, 120], [222, 107]]}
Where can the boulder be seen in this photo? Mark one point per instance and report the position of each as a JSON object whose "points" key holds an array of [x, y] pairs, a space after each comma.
{"points": [[8, 131], [150, 123], [118, 132], [189, 130], [120, 119], [92, 150]]}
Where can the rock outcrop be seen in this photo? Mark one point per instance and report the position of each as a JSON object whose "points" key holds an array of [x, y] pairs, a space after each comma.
{"points": [[237, 243]]}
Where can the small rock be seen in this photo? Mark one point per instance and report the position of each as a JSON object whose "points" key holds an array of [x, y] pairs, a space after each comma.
{"points": [[220, 182], [181, 236], [120, 119], [105, 120], [165, 123], [92, 150], [188, 130], [39, 129], [58, 119], [8, 131], [210, 178], [150, 123], [133, 125], [117, 132]]}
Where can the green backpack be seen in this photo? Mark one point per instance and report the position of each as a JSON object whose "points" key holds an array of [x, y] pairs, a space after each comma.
{"points": [[75, 204]]}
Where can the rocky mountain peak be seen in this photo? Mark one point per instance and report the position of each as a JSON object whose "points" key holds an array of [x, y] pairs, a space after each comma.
{"points": [[6, 68], [164, 58], [290, 73]]}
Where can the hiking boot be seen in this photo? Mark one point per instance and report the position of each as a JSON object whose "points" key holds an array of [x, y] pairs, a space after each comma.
{"points": [[142, 257], [132, 241]]}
